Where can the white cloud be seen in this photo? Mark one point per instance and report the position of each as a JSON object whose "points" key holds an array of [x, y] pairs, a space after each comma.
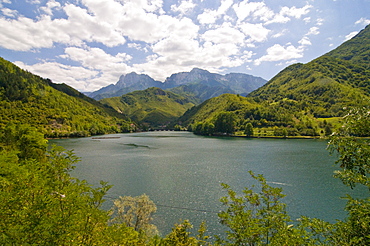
{"points": [[184, 7], [363, 21], [107, 22], [305, 41], [278, 52], [351, 35], [224, 34], [245, 9], [320, 21], [95, 58], [48, 9], [296, 12], [74, 76], [256, 32], [97, 68], [210, 16], [313, 31], [9, 12], [260, 11]]}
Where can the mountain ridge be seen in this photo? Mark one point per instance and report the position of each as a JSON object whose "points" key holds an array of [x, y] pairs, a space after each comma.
{"points": [[236, 83]]}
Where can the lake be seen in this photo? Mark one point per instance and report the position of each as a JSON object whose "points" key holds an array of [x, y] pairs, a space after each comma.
{"points": [[182, 172]]}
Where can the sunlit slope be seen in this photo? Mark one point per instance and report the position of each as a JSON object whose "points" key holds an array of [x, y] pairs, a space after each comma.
{"points": [[338, 79], [152, 106], [57, 110]]}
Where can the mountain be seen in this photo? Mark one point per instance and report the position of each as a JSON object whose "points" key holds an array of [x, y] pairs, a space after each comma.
{"points": [[239, 83], [198, 82], [338, 79], [199, 92], [150, 107], [303, 99], [126, 83], [56, 109]]}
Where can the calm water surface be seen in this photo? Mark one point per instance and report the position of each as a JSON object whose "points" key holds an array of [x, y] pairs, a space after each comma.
{"points": [[182, 172]]}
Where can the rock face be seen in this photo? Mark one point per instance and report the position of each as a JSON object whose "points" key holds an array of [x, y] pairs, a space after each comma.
{"points": [[199, 79], [126, 83]]}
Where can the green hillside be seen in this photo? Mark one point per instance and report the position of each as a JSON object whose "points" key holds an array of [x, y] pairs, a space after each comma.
{"points": [[274, 119], [324, 86], [199, 92], [56, 110], [303, 99], [151, 107]]}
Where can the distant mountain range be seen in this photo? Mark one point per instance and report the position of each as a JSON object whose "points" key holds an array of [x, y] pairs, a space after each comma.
{"points": [[198, 83]]}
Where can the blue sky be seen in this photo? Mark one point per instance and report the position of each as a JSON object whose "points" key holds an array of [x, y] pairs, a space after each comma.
{"points": [[88, 44]]}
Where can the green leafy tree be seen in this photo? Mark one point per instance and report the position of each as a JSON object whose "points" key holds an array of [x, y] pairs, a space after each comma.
{"points": [[257, 218], [354, 160], [181, 236], [41, 204], [225, 122], [248, 129]]}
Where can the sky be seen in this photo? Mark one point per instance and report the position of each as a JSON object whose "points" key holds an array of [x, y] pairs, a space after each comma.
{"points": [[89, 44]]}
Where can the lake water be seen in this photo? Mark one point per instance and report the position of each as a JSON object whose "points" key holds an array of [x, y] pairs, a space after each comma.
{"points": [[182, 172]]}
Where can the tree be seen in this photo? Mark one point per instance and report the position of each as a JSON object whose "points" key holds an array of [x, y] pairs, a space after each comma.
{"points": [[225, 122], [248, 129], [41, 204], [257, 218], [354, 160], [208, 128], [135, 212]]}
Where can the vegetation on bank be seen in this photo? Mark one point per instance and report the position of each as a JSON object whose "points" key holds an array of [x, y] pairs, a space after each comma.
{"points": [[55, 110], [279, 119], [43, 205]]}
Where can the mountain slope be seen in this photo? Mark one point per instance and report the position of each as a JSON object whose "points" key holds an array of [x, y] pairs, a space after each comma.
{"points": [[126, 83], [303, 99], [199, 92], [152, 106], [338, 79], [57, 110], [203, 80]]}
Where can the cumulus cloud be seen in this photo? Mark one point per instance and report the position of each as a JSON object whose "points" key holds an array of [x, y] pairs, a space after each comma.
{"points": [[9, 12], [351, 35], [224, 34], [278, 52], [184, 6], [256, 32], [111, 37], [74, 76], [363, 21], [48, 9], [305, 41], [313, 31], [260, 11], [210, 16], [295, 12]]}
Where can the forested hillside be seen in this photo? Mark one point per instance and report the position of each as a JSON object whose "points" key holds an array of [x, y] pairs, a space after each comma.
{"points": [[338, 79], [150, 107], [56, 110], [302, 100]]}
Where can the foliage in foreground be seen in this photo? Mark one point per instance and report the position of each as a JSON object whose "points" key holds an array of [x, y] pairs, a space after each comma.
{"points": [[43, 205]]}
